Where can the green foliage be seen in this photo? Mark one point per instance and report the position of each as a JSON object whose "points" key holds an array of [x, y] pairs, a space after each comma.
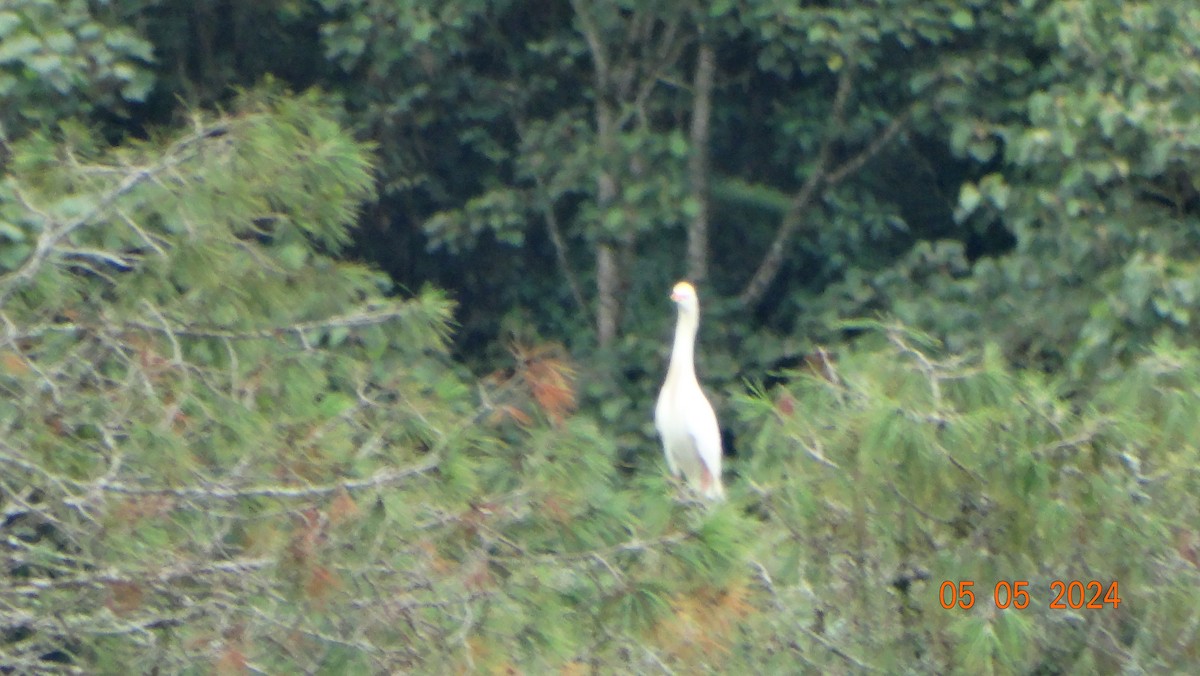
{"points": [[185, 375], [227, 447], [212, 430], [893, 471], [60, 59], [1088, 151]]}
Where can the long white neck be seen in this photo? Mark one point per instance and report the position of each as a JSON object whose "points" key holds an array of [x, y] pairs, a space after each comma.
{"points": [[683, 351]]}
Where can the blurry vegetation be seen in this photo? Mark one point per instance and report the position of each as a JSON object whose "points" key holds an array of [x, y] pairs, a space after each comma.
{"points": [[330, 330]]}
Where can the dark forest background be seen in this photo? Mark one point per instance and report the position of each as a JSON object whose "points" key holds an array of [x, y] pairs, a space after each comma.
{"points": [[330, 333]]}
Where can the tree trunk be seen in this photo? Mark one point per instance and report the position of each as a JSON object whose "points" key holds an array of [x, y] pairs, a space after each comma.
{"points": [[698, 163], [608, 275], [608, 282]]}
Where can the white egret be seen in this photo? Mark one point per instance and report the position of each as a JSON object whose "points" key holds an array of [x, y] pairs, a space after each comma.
{"points": [[684, 417]]}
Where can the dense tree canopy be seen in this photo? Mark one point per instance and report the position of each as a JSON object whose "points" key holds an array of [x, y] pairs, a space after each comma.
{"points": [[330, 331]]}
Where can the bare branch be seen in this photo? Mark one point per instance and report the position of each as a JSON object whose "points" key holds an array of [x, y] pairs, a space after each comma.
{"points": [[608, 304], [771, 262], [898, 124], [822, 177], [151, 576], [386, 477], [369, 316], [591, 33], [560, 250], [553, 228]]}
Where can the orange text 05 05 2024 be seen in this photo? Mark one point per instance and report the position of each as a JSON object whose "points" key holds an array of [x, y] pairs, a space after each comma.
{"points": [[1063, 595]]}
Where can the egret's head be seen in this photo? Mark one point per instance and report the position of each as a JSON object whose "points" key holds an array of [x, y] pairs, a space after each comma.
{"points": [[684, 295]]}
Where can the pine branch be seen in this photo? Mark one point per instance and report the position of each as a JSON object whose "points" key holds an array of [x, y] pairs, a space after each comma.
{"points": [[54, 232], [632, 545], [369, 316], [143, 576], [768, 585], [379, 479]]}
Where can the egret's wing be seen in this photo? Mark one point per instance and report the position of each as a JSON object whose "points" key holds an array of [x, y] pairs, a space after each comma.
{"points": [[706, 434], [662, 426], [659, 412]]}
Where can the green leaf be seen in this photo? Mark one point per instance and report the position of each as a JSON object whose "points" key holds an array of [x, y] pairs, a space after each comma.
{"points": [[719, 8], [677, 144], [423, 30], [225, 314], [968, 200], [11, 232], [293, 255], [338, 335], [335, 404], [14, 253], [690, 207], [138, 85], [8, 22], [614, 220], [17, 48], [982, 150], [154, 537]]}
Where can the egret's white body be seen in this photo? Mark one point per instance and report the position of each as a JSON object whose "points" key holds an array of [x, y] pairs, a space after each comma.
{"points": [[683, 416]]}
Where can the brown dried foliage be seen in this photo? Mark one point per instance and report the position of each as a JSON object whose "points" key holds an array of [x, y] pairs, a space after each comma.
{"points": [[550, 378], [703, 623]]}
